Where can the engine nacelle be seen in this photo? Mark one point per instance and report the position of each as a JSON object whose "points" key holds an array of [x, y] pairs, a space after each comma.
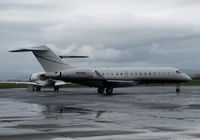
{"points": [[78, 73], [37, 76], [72, 73], [54, 75]]}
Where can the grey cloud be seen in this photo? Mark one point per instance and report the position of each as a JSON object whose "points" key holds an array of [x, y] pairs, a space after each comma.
{"points": [[127, 33]]}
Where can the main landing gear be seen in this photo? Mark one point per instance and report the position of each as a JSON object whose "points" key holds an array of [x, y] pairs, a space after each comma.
{"points": [[36, 88], [100, 90], [109, 90]]}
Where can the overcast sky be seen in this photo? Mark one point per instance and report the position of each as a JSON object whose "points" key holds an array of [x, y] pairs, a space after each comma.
{"points": [[111, 32]]}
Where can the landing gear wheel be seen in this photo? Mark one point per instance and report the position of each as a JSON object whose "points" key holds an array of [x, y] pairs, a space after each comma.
{"points": [[56, 88], [109, 90], [33, 89], [38, 88], [100, 90]]}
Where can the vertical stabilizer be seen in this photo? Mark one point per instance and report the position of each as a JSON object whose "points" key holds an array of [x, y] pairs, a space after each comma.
{"points": [[47, 58]]}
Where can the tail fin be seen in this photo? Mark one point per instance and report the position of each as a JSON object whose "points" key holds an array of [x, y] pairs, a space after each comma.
{"points": [[47, 58]]}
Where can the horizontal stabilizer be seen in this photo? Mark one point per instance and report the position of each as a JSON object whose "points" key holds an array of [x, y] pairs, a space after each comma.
{"points": [[41, 48], [73, 56]]}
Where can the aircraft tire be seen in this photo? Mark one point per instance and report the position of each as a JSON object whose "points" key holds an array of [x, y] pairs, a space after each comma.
{"points": [[33, 89], [38, 88], [109, 91], [56, 88], [100, 90]]}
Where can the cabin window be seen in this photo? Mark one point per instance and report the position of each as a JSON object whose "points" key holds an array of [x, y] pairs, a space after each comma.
{"points": [[117, 74], [145, 73], [112, 74], [136, 73], [140, 73], [168, 73], [149, 73], [121, 74]]}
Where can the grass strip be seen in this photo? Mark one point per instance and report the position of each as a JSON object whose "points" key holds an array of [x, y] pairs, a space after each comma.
{"points": [[8, 86]]}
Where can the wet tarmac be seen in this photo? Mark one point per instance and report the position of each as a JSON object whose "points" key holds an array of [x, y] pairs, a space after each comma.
{"points": [[138, 113]]}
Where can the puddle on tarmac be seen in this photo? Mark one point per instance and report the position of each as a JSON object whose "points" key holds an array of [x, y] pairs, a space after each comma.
{"points": [[64, 109], [12, 109], [64, 139], [13, 112], [34, 118], [193, 106]]}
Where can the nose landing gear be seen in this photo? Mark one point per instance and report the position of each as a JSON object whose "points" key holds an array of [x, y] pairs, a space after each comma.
{"points": [[178, 90]]}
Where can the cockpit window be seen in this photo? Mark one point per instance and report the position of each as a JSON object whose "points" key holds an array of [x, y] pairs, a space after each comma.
{"points": [[178, 72]]}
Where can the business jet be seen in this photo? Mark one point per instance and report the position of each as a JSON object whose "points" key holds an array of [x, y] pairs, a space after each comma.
{"points": [[105, 79], [35, 82]]}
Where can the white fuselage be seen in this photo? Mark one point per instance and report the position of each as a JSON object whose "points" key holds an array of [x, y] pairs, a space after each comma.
{"points": [[138, 75], [143, 73]]}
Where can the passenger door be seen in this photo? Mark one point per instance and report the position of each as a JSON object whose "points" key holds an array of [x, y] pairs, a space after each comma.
{"points": [[126, 75]]}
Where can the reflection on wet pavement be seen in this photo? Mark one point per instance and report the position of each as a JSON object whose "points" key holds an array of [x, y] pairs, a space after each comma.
{"points": [[133, 113]]}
